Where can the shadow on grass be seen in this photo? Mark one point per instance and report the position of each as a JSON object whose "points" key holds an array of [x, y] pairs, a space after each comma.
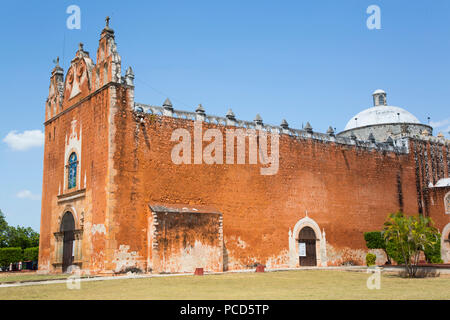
{"points": [[421, 273]]}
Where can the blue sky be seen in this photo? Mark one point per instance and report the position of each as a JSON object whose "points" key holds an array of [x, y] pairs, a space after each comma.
{"points": [[303, 61]]}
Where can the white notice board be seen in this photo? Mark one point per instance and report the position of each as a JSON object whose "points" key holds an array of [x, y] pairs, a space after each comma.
{"points": [[302, 249]]}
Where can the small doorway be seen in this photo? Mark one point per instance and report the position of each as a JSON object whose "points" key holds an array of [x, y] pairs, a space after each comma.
{"points": [[307, 247], [67, 228]]}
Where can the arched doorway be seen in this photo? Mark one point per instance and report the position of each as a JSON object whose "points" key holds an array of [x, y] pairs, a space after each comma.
{"points": [[445, 244], [307, 247], [67, 228]]}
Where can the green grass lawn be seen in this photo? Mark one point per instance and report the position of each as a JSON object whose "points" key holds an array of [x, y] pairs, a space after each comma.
{"points": [[303, 284], [27, 276]]}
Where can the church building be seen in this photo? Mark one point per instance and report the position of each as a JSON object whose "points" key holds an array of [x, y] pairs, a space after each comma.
{"points": [[114, 198]]}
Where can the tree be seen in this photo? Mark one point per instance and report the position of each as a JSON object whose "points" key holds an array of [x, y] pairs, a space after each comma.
{"points": [[10, 255], [31, 254], [433, 254], [16, 236], [22, 237], [410, 235], [3, 230]]}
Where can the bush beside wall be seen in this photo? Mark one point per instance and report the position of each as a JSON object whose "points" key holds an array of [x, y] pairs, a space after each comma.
{"points": [[10, 255], [31, 254]]}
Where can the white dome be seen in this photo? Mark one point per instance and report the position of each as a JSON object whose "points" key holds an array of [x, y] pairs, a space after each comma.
{"points": [[381, 115]]}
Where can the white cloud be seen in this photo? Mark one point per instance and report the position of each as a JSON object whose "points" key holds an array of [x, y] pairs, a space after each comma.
{"points": [[439, 124], [27, 194], [24, 141]]}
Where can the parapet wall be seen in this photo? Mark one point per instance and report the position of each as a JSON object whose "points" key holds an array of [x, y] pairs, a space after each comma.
{"points": [[399, 145]]}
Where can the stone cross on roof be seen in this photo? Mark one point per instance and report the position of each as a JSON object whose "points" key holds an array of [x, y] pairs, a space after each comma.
{"points": [[107, 21]]}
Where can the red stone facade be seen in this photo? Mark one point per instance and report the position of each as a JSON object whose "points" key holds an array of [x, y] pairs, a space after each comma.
{"points": [[133, 207]]}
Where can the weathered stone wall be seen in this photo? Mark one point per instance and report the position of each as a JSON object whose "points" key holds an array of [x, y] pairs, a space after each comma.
{"points": [[183, 241], [87, 202], [339, 187], [79, 118], [346, 190]]}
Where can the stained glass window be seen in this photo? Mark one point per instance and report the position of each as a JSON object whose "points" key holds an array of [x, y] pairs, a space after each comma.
{"points": [[73, 163]]}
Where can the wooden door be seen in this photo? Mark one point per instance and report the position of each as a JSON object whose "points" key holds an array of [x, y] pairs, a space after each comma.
{"points": [[308, 237], [68, 228], [67, 250]]}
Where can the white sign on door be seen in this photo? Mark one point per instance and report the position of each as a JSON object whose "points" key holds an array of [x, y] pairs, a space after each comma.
{"points": [[302, 249]]}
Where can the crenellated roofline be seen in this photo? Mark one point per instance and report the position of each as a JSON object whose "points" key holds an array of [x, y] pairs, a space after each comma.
{"points": [[399, 144]]}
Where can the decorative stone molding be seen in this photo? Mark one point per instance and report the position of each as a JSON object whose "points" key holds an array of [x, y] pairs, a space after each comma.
{"points": [[59, 238], [445, 244], [73, 145], [447, 203], [321, 253], [72, 196]]}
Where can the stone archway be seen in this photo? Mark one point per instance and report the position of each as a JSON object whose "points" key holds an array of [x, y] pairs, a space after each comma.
{"points": [[320, 243], [68, 241], [445, 244]]}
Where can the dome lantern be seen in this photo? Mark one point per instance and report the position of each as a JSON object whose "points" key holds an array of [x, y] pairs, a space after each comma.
{"points": [[379, 98]]}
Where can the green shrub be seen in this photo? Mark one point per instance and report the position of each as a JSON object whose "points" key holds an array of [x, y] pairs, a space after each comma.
{"points": [[433, 253], [371, 259], [374, 240], [31, 254], [10, 255], [394, 252]]}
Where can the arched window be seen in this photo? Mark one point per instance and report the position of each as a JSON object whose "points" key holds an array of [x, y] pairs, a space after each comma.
{"points": [[73, 163]]}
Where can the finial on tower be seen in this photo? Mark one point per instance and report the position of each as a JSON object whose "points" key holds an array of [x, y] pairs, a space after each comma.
{"points": [[107, 29], [57, 69], [56, 62], [80, 46]]}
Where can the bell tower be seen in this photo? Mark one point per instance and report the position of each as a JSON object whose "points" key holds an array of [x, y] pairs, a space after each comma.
{"points": [[108, 66], [55, 94]]}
